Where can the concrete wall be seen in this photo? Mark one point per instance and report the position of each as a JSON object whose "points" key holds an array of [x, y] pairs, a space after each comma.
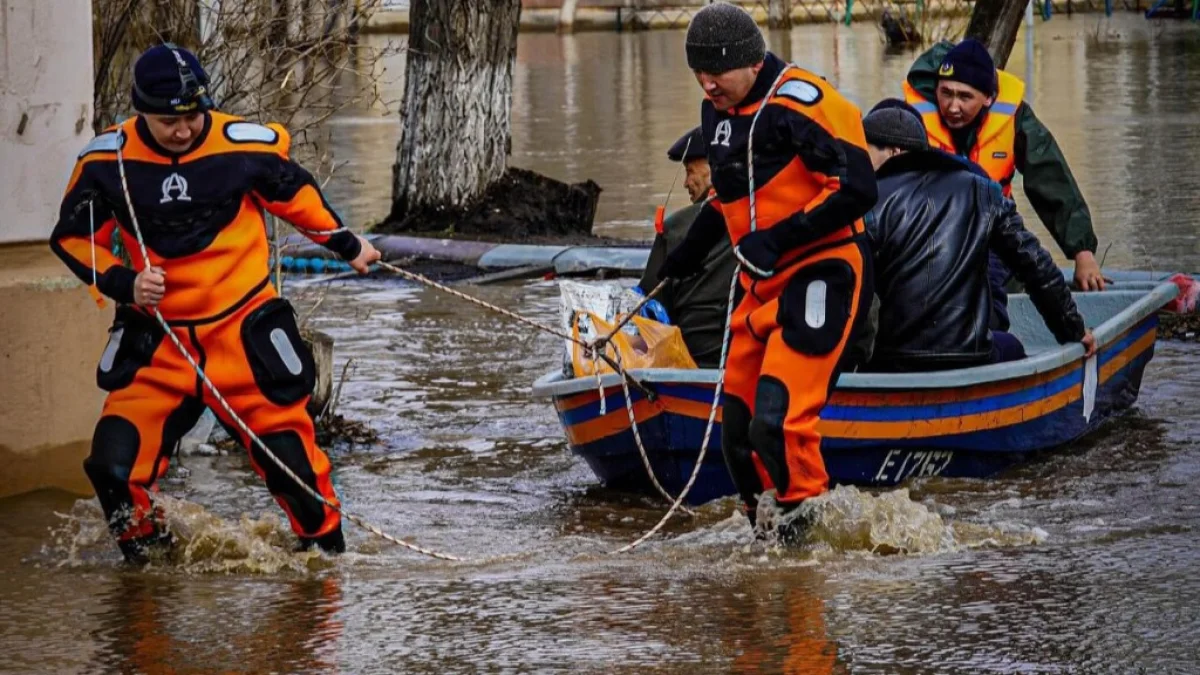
{"points": [[51, 333], [51, 336], [45, 108]]}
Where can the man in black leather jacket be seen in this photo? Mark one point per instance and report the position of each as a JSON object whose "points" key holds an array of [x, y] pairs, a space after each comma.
{"points": [[932, 228]]}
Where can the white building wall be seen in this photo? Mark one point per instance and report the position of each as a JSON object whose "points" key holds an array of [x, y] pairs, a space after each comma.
{"points": [[45, 109]]}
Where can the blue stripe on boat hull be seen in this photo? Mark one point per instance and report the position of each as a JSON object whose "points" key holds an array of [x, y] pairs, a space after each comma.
{"points": [[672, 441]]}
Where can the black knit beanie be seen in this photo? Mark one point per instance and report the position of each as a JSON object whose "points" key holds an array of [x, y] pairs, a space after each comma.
{"points": [[892, 126], [970, 63], [169, 80], [723, 37]]}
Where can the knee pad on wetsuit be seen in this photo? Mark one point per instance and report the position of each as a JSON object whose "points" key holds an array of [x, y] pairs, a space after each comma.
{"points": [[115, 445], [132, 340], [766, 429], [282, 364], [289, 448], [815, 307]]}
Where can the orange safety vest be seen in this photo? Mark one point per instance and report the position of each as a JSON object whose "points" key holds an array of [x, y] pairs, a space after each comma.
{"points": [[995, 144]]}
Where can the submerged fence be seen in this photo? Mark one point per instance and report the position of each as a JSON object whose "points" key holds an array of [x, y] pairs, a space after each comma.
{"points": [[640, 14]]}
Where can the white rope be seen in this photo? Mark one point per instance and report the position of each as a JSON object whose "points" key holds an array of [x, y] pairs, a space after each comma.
{"points": [[637, 436], [305, 230], [682, 162], [599, 382], [750, 146], [255, 440], [482, 303], [712, 416], [92, 227]]}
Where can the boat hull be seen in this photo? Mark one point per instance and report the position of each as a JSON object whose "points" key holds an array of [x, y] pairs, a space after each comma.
{"points": [[874, 437]]}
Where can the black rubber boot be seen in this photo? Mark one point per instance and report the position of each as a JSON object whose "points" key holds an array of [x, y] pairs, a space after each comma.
{"points": [[142, 550], [794, 525], [334, 542]]}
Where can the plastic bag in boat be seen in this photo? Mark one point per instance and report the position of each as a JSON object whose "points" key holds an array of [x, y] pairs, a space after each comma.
{"points": [[651, 345], [592, 310]]}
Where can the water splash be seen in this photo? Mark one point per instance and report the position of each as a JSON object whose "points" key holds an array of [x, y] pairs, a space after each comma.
{"points": [[204, 542], [846, 520]]}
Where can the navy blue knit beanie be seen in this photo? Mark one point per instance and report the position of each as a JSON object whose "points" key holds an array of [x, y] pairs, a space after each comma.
{"points": [[169, 80], [970, 63]]}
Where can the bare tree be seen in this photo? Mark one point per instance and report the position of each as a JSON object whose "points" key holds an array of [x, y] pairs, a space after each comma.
{"points": [[296, 62], [995, 24], [455, 135]]}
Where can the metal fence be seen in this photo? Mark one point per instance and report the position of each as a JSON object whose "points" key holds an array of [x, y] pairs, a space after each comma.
{"points": [[639, 14], [642, 14]]}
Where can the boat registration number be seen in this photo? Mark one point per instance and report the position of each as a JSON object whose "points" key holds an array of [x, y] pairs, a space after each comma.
{"points": [[899, 465]]}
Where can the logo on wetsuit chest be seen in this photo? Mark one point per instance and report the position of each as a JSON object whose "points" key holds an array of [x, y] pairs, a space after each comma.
{"points": [[724, 131], [174, 184]]}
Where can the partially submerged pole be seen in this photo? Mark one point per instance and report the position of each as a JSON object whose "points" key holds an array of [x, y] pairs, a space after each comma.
{"points": [[566, 16], [1029, 51], [779, 14]]}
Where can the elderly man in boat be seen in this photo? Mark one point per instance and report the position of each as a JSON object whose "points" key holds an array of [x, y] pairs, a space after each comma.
{"points": [[793, 212], [972, 109], [934, 223], [698, 305]]}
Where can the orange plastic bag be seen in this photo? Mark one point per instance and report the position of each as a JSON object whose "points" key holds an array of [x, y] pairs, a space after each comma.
{"points": [[656, 345]]}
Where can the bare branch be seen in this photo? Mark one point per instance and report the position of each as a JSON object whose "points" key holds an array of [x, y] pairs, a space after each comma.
{"points": [[295, 62]]}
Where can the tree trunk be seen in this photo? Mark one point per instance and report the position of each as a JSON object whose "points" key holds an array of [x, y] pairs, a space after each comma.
{"points": [[779, 14], [995, 24], [455, 120]]}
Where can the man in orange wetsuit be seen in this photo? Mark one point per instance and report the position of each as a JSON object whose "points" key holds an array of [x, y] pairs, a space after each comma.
{"points": [[797, 231], [199, 181]]}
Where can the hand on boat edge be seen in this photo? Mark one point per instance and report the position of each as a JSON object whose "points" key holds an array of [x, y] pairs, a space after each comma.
{"points": [[1087, 272], [1089, 345]]}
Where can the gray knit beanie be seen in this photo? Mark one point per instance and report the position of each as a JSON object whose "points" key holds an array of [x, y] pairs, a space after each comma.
{"points": [[895, 128], [723, 37]]}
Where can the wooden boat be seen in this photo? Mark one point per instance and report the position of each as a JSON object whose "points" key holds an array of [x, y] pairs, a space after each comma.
{"points": [[881, 429]]}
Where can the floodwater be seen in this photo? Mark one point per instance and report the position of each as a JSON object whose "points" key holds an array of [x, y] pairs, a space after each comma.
{"points": [[1082, 562]]}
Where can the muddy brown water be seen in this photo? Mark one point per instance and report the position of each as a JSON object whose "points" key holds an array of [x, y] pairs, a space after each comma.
{"points": [[1079, 562]]}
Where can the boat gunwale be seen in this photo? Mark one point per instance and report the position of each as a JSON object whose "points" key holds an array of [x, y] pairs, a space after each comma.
{"points": [[554, 384]]}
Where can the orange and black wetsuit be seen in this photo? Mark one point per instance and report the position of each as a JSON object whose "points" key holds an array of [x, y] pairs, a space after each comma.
{"points": [[813, 185], [201, 214]]}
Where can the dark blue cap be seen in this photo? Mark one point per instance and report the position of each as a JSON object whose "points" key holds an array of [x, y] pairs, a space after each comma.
{"points": [[169, 80], [690, 146]]}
